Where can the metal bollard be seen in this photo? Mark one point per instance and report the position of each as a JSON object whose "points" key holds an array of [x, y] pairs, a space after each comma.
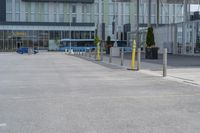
{"points": [[90, 50], [165, 62], [139, 59], [122, 56], [101, 52], [110, 57], [95, 53], [85, 52]]}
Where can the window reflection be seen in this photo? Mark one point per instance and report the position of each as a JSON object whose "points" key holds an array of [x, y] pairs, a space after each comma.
{"points": [[11, 40]]}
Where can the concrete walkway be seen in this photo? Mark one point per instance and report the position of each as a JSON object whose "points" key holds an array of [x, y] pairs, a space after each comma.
{"points": [[57, 93], [185, 69]]}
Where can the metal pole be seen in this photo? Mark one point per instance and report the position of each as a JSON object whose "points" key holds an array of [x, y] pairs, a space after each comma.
{"points": [[70, 43], [138, 21], [158, 12], [149, 14], [185, 2], [102, 50], [115, 21], [89, 53], [110, 57], [165, 62], [139, 59], [85, 52], [122, 56]]}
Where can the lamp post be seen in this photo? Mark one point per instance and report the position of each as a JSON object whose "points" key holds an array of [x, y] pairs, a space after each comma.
{"points": [[70, 34], [115, 21], [149, 13]]}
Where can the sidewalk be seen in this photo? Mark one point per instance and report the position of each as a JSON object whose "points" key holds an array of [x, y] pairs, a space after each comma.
{"points": [[185, 69]]}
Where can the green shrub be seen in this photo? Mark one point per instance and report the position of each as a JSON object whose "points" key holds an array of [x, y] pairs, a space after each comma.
{"points": [[150, 42], [108, 41]]}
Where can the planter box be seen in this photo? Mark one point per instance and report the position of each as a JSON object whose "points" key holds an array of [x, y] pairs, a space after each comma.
{"points": [[151, 53]]}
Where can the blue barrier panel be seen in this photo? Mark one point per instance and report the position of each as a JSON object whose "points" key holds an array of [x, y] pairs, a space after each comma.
{"points": [[76, 49]]}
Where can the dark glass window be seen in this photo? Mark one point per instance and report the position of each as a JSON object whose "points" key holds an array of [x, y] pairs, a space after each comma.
{"points": [[74, 19], [73, 9]]}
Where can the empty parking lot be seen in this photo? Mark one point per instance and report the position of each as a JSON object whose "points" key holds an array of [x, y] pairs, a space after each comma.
{"points": [[57, 93]]}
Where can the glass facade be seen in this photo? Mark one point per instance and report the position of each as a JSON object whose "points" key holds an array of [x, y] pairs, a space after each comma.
{"points": [[48, 12], [10, 40], [169, 13], [34, 13], [188, 38]]}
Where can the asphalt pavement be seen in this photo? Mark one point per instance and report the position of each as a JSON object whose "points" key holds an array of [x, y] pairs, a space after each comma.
{"points": [[57, 93]]}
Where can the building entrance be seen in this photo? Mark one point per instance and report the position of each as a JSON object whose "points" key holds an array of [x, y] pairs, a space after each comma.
{"points": [[19, 44]]}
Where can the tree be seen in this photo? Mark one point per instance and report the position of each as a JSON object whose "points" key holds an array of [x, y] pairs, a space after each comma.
{"points": [[96, 40], [97, 43], [57, 40], [150, 41]]}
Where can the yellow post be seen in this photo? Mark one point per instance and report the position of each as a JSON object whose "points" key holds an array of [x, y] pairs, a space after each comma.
{"points": [[98, 52], [133, 55]]}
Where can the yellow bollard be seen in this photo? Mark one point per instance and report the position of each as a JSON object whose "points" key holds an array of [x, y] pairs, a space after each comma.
{"points": [[133, 55], [98, 58]]}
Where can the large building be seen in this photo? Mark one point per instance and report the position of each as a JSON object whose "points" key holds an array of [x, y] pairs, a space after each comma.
{"points": [[32, 23]]}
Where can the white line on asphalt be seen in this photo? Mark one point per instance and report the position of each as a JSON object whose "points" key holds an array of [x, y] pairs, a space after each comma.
{"points": [[3, 124]]}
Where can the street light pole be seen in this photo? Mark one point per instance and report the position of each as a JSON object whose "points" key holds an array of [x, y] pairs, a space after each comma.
{"points": [[70, 24], [158, 12], [138, 24], [115, 21], [149, 13]]}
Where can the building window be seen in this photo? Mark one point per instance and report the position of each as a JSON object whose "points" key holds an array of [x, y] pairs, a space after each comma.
{"points": [[9, 16], [61, 18], [74, 19], [9, 5], [17, 6], [17, 17], [73, 9], [9, 10]]}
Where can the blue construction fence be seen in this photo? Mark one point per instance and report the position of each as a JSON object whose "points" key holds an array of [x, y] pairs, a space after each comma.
{"points": [[87, 49], [77, 49]]}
